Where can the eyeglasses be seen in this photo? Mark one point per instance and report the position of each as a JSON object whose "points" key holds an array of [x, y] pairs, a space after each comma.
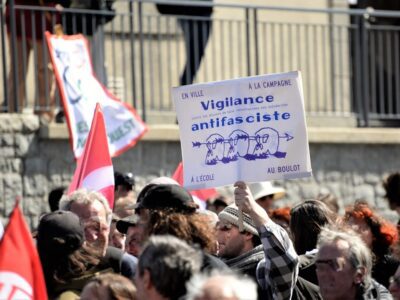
{"points": [[395, 280], [335, 264]]}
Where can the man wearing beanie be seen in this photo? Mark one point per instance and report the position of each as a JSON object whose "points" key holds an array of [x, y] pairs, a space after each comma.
{"points": [[277, 273], [241, 251]]}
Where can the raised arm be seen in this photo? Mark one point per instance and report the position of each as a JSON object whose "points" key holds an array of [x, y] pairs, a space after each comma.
{"points": [[278, 271]]}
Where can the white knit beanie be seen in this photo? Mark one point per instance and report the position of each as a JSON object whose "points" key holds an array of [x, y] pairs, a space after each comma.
{"points": [[230, 214]]}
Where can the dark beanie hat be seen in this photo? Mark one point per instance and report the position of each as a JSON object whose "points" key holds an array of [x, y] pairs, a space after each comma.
{"points": [[60, 232], [126, 179], [167, 196]]}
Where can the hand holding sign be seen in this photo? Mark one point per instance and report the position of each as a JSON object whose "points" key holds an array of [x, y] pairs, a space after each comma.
{"points": [[246, 203], [243, 198]]}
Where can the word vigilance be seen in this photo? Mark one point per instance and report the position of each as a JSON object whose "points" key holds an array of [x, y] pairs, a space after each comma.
{"points": [[230, 102]]}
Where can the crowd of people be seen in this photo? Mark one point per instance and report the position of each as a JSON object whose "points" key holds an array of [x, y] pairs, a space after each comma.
{"points": [[157, 243]]}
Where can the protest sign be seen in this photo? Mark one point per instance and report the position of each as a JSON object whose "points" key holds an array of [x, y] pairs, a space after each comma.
{"points": [[250, 129], [202, 195], [81, 91]]}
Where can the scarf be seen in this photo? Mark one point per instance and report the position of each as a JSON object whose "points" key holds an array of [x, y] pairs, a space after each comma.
{"points": [[247, 261]]}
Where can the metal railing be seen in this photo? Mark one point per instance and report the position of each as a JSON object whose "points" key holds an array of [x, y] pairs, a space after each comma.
{"points": [[350, 59]]}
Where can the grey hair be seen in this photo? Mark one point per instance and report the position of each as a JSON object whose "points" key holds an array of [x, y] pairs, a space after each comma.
{"points": [[84, 196], [359, 254], [171, 262], [243, 288]]}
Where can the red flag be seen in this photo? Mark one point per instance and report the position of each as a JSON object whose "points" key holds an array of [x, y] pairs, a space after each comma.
{"points": [[21, 274], [94, 169], [201, 194]]}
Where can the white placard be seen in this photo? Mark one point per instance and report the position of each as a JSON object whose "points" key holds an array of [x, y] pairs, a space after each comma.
{"points": [[250, 129]]}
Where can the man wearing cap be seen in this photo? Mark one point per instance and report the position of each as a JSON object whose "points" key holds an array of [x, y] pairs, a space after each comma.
{"points": [[67, 262], [124, 194], [277, 273], [241, 251], [265, 194], [133, 229], [116, 238], [123, 184]]}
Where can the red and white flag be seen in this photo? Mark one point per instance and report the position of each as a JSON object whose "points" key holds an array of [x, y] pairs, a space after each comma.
{"points": [[21, 274], [94, 169], [80, 92], [203, 195]]}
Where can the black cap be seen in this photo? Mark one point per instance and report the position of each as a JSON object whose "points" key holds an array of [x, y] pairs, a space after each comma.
{"points": [[126, 179], [167, 196], [123, 224], [143, 193], [60, 231]]}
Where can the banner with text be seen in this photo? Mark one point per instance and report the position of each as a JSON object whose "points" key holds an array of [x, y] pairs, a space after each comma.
{"points": [[250, 129], [81, 91]]}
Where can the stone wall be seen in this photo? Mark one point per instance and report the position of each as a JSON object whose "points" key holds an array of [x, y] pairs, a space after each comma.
{"points": [[349, 163]]}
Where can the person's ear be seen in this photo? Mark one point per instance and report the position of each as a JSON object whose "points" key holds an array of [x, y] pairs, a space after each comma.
{"points": [[247, 235], [147, 279], [360, 275]]}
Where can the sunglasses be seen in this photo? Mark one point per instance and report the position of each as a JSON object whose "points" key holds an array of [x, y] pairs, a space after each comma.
{"points": [[335, 264]]}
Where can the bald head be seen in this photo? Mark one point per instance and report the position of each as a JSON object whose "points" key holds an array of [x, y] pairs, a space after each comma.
{"points": [[214, 289], [221, 287]]}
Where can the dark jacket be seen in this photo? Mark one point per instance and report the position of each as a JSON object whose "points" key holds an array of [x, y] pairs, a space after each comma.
{"points": [[246, 264], [75, 286], [114, 261], [384, 268], [121, 262], [25, 18], [307, 268], [374, 291], [305, 290], [211, 262], [380, 5], [87, 23], [185, 10]]}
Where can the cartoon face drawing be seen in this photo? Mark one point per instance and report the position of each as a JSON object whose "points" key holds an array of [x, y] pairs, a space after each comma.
{"points": [[216, 148], [74, 63], [239, 143], [266, 142]]}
